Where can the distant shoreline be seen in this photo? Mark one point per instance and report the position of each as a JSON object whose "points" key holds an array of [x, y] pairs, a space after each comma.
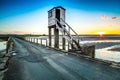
{"points": [[1, 35]]}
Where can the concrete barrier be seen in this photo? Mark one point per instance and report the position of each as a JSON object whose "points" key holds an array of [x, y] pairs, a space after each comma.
{"points": [[89, 50]]}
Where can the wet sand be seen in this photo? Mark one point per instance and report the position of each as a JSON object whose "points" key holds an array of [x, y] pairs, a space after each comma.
{"points": [[115, 49], [103, 44]]}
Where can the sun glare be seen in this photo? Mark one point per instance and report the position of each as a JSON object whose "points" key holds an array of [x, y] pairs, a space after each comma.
{"points": [[101, 34]]}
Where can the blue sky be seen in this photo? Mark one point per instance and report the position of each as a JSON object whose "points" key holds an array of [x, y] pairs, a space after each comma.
{"points": [[85, 16]]}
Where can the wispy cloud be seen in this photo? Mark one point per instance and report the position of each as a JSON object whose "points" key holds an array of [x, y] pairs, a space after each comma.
{"points": [[104, 17], [114, 18]]}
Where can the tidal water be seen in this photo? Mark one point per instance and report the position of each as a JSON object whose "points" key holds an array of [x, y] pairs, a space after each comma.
{"points": [[2, 45], [108, 54], [107, 48]]}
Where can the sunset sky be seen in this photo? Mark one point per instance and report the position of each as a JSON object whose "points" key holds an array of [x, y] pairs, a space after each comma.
{"points": [[84, 16]]}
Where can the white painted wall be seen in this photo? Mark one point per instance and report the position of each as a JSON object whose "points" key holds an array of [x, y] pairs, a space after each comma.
{"points": [[51, 20]]}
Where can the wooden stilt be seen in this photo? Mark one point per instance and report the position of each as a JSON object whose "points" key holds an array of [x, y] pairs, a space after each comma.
{"points": [[56, 33], [41, 41], [63, 42], [50, 39], [37, 40], [46, 42]]}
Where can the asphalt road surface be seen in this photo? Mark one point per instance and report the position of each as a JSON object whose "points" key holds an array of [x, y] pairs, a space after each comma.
{"points": [[35, 62]]}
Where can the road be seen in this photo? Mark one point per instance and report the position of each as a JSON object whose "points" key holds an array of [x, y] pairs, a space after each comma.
{"points": [[36, 62]]}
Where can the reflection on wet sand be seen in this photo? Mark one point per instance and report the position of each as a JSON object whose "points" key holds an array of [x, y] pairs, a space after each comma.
{"points": [[110, 53]]}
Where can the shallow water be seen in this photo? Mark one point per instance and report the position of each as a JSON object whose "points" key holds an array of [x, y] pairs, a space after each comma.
{"points": [[99, 41], [108, 55], [2, 45], [102, 47]]}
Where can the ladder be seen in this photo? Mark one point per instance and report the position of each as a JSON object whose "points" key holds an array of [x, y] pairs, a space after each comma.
{"points": [[65, 30]]}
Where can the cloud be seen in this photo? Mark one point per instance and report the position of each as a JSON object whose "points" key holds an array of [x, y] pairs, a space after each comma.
{"points": [[104, 17], [114, 18]]}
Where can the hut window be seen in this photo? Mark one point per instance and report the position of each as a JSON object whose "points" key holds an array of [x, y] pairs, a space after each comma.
{"points": [[50, 14]]}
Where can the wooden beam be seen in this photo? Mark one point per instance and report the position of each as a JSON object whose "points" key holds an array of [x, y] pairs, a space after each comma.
{"points": [[50, 38], [56, 33]]}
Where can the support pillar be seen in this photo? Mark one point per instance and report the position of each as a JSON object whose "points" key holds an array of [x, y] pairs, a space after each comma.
{"points": [[30, 39], [63, 42], [37, 40], [50, 38], [56, 33], [34, 40], [41, 41], [46, 42]]}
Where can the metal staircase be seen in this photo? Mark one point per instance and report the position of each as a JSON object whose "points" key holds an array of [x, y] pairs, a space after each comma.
{"points": [[66, 31]]}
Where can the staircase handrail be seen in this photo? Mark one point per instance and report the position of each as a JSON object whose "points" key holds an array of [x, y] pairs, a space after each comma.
{"points": [[63, 27], [60, 27], [70, 28]]}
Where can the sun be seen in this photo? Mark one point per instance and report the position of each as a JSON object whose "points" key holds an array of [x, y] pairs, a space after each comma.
{"points": [[101, 34]]}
